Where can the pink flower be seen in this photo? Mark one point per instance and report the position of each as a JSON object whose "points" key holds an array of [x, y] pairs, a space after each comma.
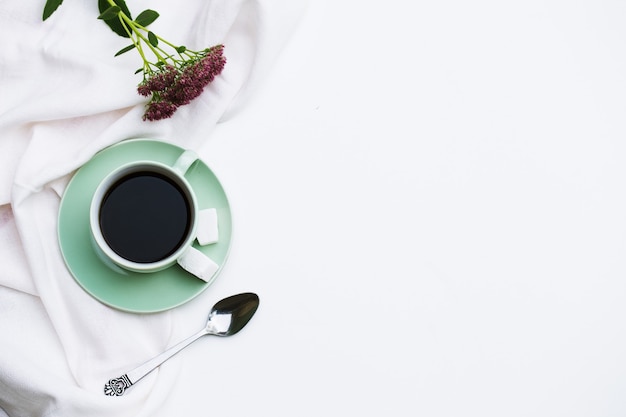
{"points": [[159, 110], [195, 76], [159, 81], [172, 87]]}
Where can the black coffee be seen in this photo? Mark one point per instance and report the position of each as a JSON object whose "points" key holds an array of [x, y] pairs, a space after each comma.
{"points": [[145, 217]]}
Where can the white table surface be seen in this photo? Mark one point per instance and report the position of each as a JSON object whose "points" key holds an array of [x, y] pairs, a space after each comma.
{"points": [[429, 201]]}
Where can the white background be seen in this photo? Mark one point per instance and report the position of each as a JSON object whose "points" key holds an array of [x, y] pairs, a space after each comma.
{"points": [[429, 201], [427, 196]]}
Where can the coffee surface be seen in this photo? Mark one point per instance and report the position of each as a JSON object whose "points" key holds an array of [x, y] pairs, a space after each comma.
{"points": [[145, 217]]}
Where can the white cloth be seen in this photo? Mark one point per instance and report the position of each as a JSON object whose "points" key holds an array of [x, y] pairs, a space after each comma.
{"points": [[63, 97]]}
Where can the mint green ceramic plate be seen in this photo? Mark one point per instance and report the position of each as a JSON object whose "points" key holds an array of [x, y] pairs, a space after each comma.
{"points": [[124, 290]]}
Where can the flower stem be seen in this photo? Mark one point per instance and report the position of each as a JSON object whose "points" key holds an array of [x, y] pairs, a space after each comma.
{"points": [[137, 32]]}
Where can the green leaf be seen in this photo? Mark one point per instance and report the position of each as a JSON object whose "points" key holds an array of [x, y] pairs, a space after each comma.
{"points": [[146, 17], [181, 49], [124, 50], [115, 24], [139, 70], [50, 7], [153, 39], [110, 13]]}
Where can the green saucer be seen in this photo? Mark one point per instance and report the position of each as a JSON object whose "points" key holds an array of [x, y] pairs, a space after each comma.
{"points": [[121, 289]]}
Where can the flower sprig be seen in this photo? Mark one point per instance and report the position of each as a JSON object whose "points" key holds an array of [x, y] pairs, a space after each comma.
{"points": [[173, 75]]}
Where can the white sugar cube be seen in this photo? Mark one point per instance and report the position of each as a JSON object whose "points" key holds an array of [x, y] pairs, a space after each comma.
{"points": [[198, 264], [207, 227]]}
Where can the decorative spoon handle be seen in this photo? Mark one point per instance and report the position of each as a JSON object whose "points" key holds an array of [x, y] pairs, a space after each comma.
{"points": [[117, 386]]}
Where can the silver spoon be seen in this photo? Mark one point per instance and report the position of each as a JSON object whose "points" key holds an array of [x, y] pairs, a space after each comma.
{"points": [[226, 318]]}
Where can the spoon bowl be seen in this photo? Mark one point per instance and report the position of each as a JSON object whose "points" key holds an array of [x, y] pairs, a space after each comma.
{"points": [[231, 314]]}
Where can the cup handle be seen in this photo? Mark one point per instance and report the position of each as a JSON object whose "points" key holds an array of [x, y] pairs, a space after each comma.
{"points": [[198, 264], [184, 161]]}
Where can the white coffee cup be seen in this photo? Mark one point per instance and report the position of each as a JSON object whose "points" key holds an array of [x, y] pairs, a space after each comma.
{"points": [[141, 215]]}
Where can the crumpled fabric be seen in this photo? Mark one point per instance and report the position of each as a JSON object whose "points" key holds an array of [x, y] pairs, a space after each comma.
{"points": [[63, 98]]}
